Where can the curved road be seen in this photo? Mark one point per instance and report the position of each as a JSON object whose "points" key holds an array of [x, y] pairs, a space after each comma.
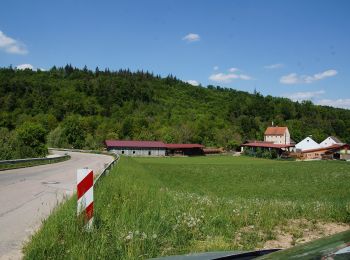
{"points": [[28, 195]]}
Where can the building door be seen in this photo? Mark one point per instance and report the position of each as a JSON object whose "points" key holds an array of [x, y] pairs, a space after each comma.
{"points": [[149, 152]]}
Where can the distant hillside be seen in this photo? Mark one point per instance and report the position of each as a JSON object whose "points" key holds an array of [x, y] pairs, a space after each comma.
{"points": [[81, 108]]}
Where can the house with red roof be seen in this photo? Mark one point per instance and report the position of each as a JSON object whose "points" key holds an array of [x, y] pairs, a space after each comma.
{"points": [[275, 138], [277, 135]]}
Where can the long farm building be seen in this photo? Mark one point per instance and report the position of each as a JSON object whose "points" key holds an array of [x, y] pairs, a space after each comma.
{"points": [[152, 148]]}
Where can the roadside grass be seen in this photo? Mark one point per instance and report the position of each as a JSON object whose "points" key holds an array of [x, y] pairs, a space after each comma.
{"points": [[11, 166], [148, 207]]}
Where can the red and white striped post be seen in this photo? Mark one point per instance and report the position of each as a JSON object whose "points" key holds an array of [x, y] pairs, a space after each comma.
{"points": [[85, 193]]}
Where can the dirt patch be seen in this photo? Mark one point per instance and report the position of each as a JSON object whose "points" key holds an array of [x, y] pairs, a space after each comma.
{"points": [[244, 238], [301, 231]]}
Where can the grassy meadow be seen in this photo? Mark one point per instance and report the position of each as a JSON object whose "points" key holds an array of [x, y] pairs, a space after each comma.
{"points": [[149, 207]]}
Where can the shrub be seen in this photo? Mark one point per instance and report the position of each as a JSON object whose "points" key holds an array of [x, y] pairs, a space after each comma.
{"points": [[30, 141]]}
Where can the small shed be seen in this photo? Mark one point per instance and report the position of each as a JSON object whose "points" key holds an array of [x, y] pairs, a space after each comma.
{"points": [[184, 149], [213, 150], [338, 152]]}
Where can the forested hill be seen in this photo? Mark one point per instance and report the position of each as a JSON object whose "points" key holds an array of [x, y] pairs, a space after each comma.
{"points": [[81, 108]]}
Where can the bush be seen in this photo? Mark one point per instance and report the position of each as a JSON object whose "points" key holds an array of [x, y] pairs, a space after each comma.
{"points": [[56, 138], [266, 154], [74, 131], [30, 141], [7, 141], [274, 154], [261, 153]]}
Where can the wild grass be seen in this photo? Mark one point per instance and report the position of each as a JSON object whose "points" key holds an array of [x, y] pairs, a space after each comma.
{"points": [[148, 207]]}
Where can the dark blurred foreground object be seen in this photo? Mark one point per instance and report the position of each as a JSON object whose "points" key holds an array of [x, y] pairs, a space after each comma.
{"points": [[331, 247]]}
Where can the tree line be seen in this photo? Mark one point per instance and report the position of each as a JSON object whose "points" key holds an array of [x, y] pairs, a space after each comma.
{"points": [[80, 108]]}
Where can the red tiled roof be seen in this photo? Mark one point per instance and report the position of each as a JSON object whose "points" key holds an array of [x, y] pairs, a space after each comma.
{"points": [[258, 141], [183, 146], [141, 144], [328, 148], [275, 130], [267, 145]]}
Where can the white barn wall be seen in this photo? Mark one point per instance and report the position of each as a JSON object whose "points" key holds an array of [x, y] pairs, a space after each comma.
{"points": [[130, 151], [307, 144], [328, 142]]}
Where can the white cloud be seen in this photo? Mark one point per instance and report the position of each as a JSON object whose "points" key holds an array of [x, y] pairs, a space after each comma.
{"points": [[28, 66], [290, 79], [315, 96], [342, 103], [215, 67], [228, 77], [245, 77], [193, 82], [307, 95], [233, 69], [25, 66], [233, 73], [222, 77], [10, 45], [294, 78], [322, 75], [274, 66], [191, 37]]}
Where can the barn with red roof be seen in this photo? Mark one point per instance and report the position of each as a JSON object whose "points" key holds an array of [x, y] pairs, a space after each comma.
{"points": [[136, 148], [152, 148]]}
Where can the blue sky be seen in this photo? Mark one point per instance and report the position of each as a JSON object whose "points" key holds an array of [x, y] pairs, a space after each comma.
{"points": [[298, 49]]}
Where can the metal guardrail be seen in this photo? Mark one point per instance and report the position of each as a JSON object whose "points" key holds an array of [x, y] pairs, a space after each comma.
{"points": [[18, 161], [81, 151], [108, 168], [63, 157]]}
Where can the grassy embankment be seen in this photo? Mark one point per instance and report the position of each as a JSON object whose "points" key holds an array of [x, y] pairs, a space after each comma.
{"points": [[10, 166], [151, 207]]}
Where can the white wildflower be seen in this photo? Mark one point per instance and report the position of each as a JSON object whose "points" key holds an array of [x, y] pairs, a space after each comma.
{"points": [[143, 235], [129, 236]]}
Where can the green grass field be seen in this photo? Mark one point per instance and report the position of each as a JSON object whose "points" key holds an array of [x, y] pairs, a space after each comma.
{"points": [[150, 207]]}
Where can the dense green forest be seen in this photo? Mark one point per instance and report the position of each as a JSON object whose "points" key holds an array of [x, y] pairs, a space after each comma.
{"points": [[80, 108]]}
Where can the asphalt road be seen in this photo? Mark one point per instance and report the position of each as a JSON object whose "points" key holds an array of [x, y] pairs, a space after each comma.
{"points": [[28, 195]]}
